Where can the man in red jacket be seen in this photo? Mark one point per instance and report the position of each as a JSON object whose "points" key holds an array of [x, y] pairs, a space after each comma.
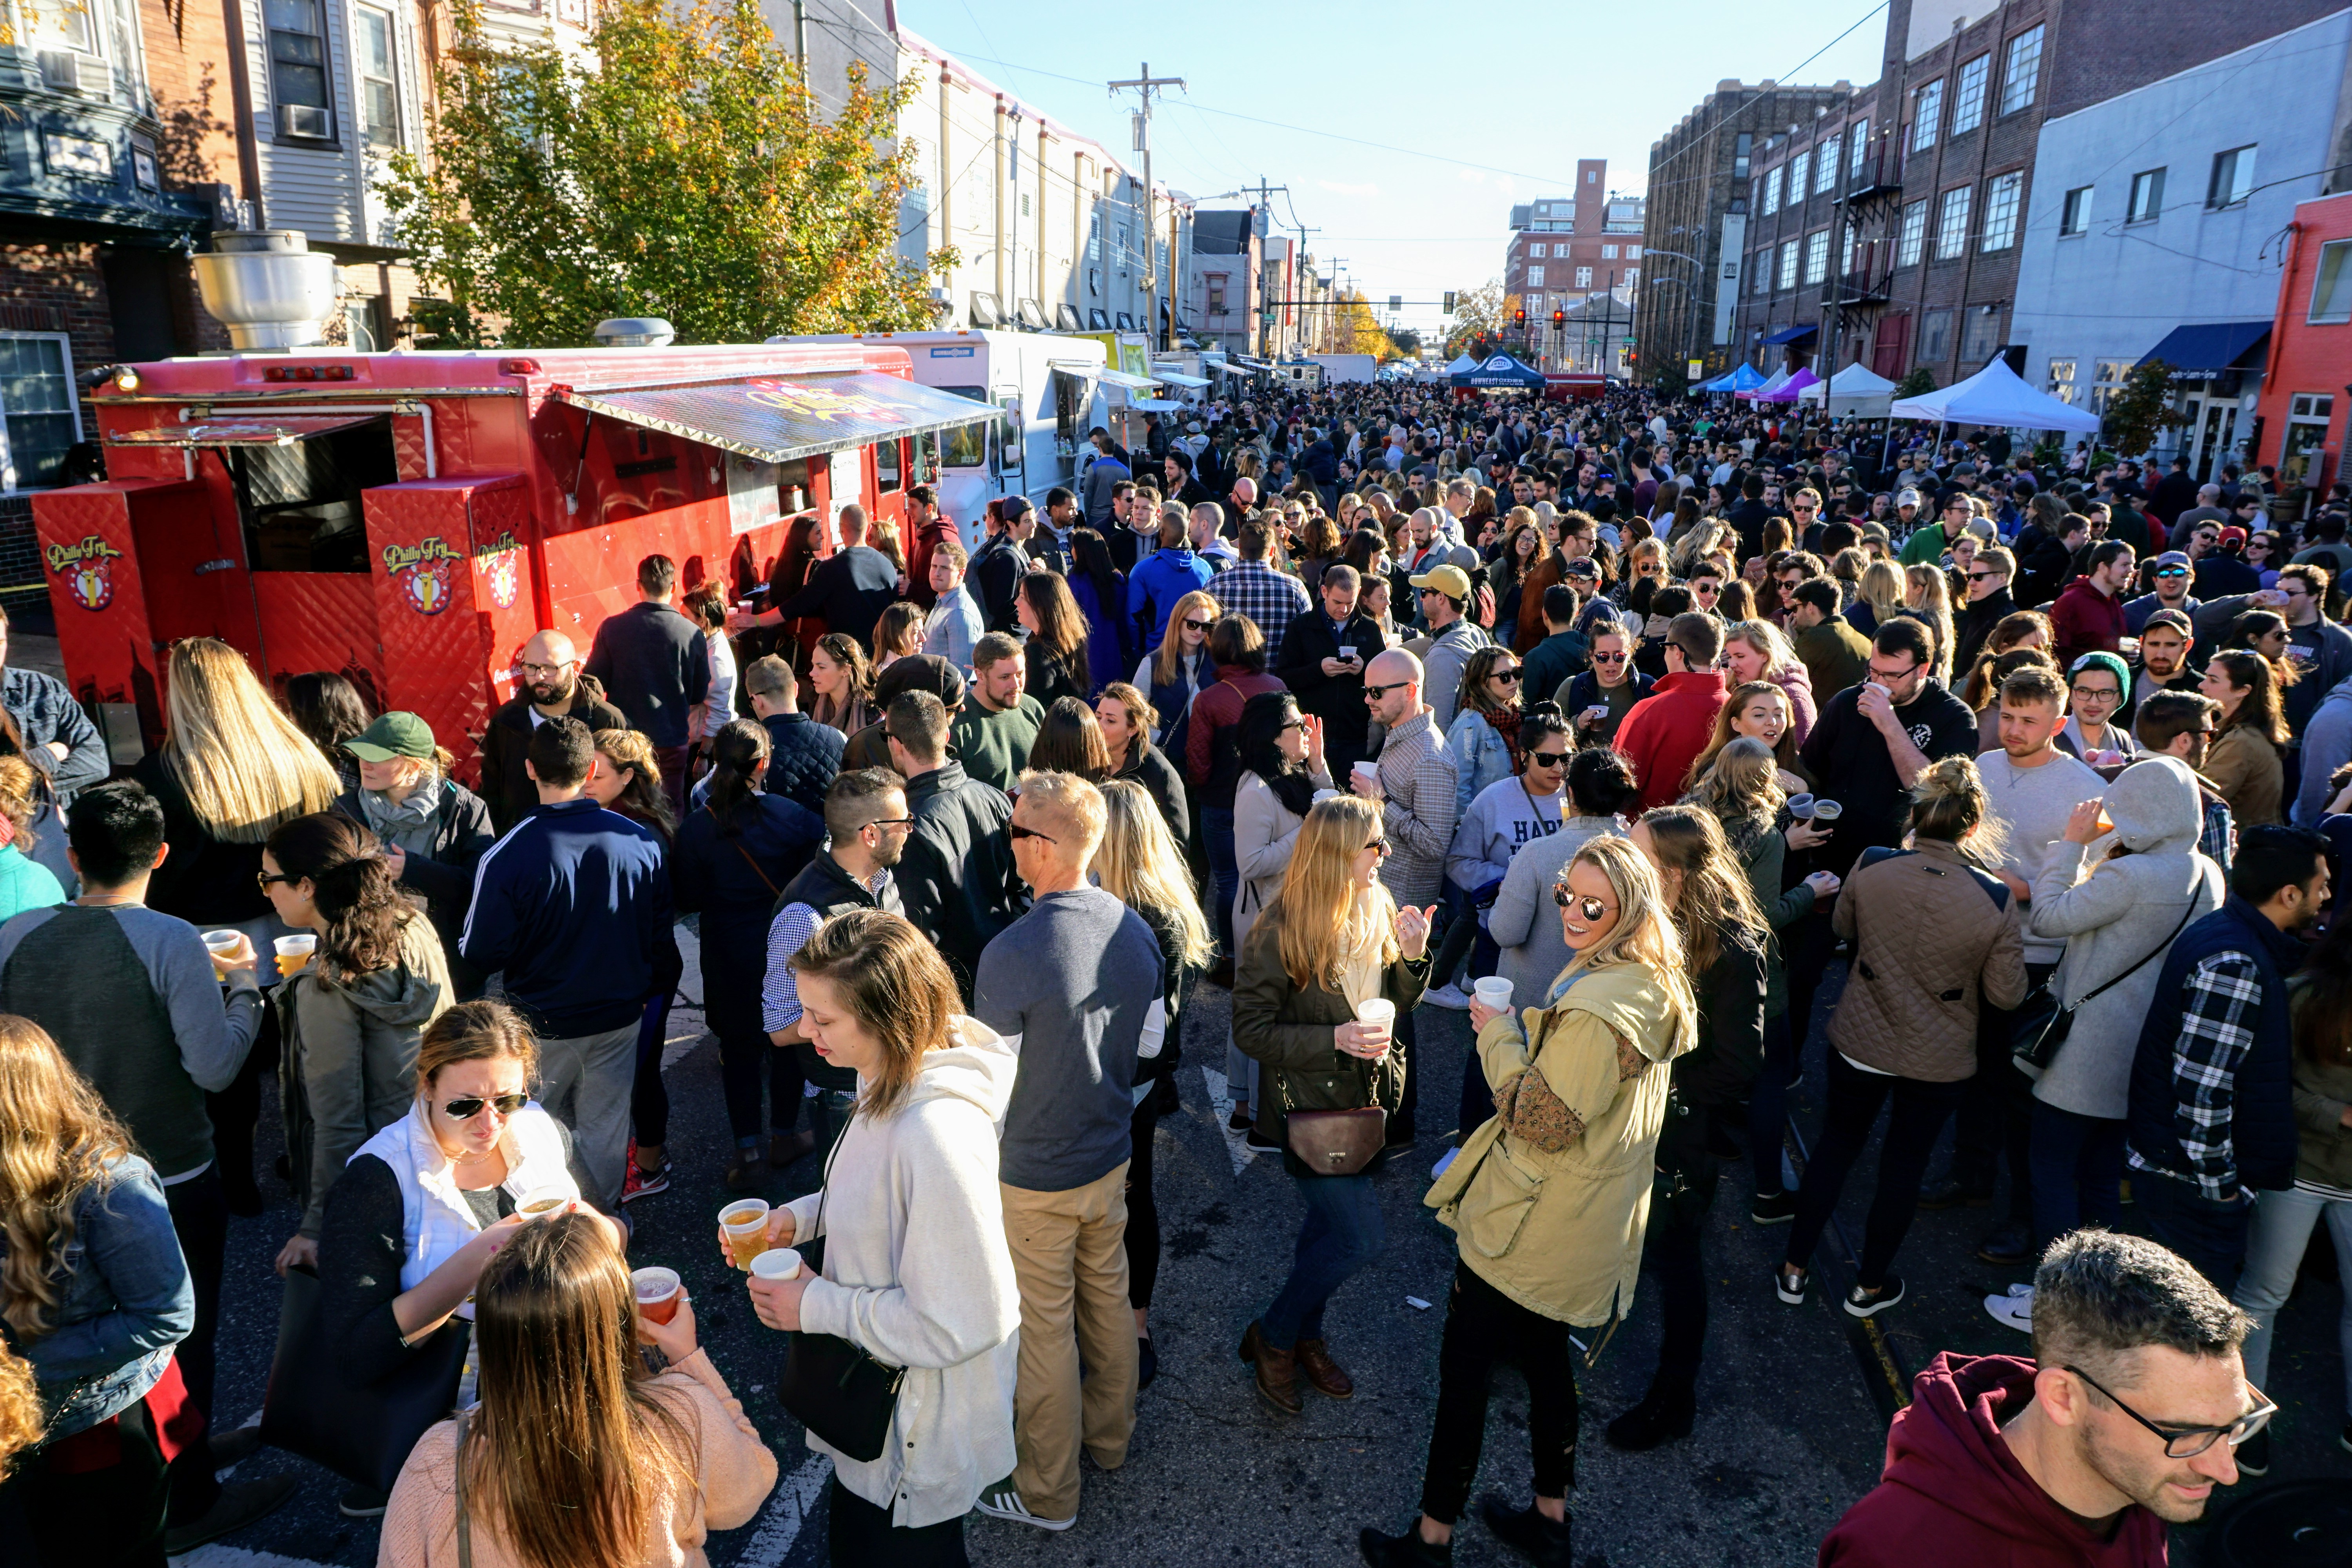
{"points": [[1670, 727], [2127, 1419], [2089, 616]]}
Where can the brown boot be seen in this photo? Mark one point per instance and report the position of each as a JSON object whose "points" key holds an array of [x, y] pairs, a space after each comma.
{"points": [[783, 1147], [1330, 1378], [1278, 1380]]}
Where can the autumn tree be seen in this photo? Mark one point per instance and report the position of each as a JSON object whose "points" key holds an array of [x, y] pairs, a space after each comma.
{"points": [[1478, 317], [1359, 332], [677, 167]]}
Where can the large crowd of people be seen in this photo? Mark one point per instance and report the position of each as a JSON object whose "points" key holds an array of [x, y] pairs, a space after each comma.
{"points": [[1623, 726]]}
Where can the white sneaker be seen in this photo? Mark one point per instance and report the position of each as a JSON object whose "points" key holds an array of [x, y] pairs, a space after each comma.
{"points": [[1003, 1502], [1448, 998], [2015, 1308]]}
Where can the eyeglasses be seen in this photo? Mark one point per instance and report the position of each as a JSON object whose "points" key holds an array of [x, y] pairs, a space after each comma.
{"points": [[1507, 677], [1592, 908], [2095, 693], [545, 668], [1293, 724], [1020, 833], [263, 878], [1191, 625], [1375, 692], [470, 1106], [892, 822], [1380, 848], [2187, 1442], [1547, 758]]}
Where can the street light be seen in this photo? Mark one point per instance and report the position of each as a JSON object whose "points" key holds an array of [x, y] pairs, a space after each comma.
{"points": [[1690, 290]]}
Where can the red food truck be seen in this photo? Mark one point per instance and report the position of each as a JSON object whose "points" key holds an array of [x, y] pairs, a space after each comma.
{"points": [[410, 519]]}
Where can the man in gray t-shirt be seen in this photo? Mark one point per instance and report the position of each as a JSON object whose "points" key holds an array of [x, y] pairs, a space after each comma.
{"points": [[1076, 982]]}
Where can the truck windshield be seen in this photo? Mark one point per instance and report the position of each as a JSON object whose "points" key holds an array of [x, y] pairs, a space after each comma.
{"points": [[965, 447]]}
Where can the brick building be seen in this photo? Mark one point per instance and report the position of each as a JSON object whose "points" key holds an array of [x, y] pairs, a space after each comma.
{"points": [[1565, 248]]}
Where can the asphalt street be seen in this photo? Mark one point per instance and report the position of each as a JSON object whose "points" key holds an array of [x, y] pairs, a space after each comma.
{"points": [[1793, 1401]]}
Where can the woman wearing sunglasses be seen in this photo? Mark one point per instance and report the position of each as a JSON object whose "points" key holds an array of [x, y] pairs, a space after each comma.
{"points": [[1549, 1198], [429, 1200]]}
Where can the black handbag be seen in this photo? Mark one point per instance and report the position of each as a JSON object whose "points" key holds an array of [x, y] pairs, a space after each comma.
{"points": [[2039, 1026], [834, 1387], [362, 1432]]}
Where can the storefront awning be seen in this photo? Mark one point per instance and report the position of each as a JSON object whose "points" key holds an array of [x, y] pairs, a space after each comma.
{"points": [[776, 418], [249, 430], [2205, 351], [1791, 334], [1177, 378]]}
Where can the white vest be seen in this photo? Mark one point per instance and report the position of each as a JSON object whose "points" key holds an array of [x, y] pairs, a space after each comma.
{"points": [[435, 1219]]}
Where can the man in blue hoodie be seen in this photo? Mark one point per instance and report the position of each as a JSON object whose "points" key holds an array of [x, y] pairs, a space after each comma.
{"points": [[1165, 576], [574, 906]]}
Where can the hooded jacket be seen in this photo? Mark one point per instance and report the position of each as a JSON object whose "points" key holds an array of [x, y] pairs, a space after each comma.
{"points": [[2085, 620], [938, 1298], [1155, 585], [1953, 1496], [2114, 912]]}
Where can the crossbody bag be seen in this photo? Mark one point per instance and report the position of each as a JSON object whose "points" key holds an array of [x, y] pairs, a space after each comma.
{"points": [[833, 1386], [2039, 1026]]}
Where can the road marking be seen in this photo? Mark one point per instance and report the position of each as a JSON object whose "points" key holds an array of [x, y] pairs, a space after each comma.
{"points": [[782, 1522], [1220, 1106]]}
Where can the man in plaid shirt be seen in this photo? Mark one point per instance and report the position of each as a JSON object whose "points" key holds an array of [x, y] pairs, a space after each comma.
{"points": [[2212, 1118], [1272, 599]]}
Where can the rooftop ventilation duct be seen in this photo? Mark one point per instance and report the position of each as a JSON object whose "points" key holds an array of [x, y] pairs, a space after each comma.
{"points": [[635, 332], [268, 288]]}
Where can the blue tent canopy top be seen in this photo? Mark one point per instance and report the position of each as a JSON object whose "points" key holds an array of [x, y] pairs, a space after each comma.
{"points": [[2203, 351], [1742, 378], [1499, 370]]}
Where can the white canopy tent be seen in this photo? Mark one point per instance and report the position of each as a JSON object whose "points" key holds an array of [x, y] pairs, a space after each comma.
{"points": [[1855, 392], [1462, 367], [1996, 396]]}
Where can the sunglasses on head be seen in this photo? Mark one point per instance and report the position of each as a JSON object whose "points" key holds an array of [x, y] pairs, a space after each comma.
{"points": [[1592, 908], [469, 1106]]}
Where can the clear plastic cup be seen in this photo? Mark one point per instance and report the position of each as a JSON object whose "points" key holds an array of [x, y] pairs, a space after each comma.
{"points": [[745, 1223], [294, 952], [1494, 992], [221, 941], [659, 1291], [776, 1263]]}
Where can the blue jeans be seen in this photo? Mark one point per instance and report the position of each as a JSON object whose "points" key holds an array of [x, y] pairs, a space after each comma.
{"points": [[2210, 1234], [1340, 1235], [2275, 1248], [2077, 1164], [1224, 867]]}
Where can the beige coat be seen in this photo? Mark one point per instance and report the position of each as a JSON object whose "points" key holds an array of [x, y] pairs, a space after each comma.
{"points": [[1561, 1234], [1928, 944], [2246, 772]]}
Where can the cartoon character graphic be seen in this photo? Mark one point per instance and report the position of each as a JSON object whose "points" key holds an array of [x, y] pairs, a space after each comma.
{"points": [[423, 571], [87, 570], [503, 572]]}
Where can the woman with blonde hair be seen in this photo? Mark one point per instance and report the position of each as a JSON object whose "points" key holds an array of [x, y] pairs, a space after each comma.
{"points": [[1927, 596], [841, 683], [1549, 1199], [24, 882], [95, 1293], [1140, 864], [1329, 965], [917, 1272], [1878, 597], [432, 829], [1756, 649], [1758, 710], [2243, 764], [1180, 668], [579, 1454]]}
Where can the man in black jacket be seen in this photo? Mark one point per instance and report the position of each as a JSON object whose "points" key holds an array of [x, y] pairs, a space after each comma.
{"points": [[957, 877], [1183, 486], [1000, 562], [1315, 665], [1748, 518], [552, 689], [656, 664], [848, 590], [803, 756]]}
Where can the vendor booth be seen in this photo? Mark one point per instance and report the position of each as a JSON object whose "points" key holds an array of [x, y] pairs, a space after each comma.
{"points": [[1499, 373], [1854, 393], [1997, 396], [1742, 378]]}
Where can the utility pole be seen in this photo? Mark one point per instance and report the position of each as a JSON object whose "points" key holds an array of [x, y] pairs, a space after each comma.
{"points": [[1264, 193], [1144, 85], [800, 52]]}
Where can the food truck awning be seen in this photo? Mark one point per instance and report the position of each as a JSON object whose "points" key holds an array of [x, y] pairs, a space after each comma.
{"points": [[776, 418], [251, 430], [1178, 378], [1096, 371]]}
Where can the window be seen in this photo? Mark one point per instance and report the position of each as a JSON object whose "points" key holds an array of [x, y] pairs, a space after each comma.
{"points": [[1981, 338], [1216, 281], [1952, 224], [1536, 251], [1742, 146], [1800, 168], [2331, 295], [1861, 144], [2021, 74], [1633, 253], [1789, 265], [1825, 174], [2062, 380], [1535, 277], [1912, 246], [1632, 277], [2076, 217], [1967, 103], [379, 89], [2306, 434], [1584, 277], [1762, 272], [1935, 337], [2233, 177], [1771, 192], [1845, 258], [1608, 253], [297, 68], [2146, 196], [1928, 110], [38, 420], [2003, 195], [2107, 379], [1817, 256]]}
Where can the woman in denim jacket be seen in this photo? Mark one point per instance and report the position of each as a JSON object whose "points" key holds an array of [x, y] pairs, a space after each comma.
{"points": [[94, 1293]]}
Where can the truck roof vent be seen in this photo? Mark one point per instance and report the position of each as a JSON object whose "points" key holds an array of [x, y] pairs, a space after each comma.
{"points": [[268, 288], [635, 332]]}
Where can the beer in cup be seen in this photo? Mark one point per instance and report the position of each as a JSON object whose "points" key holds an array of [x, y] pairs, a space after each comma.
{"points": [[745, 1223], [221, 941], [540, 1202], [1827, 812], [294, 952], [659, 1290], [777, 1263], [1494, 992]]}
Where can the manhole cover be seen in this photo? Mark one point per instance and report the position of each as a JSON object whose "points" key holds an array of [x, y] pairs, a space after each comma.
{"points": [[2298, 1524]]}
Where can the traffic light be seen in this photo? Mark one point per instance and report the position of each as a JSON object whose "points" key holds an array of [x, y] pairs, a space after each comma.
{"points": [[1449, 302], [1558, 321], [1519, 319]]}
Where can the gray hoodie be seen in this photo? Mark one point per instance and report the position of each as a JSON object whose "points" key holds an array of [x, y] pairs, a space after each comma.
{"points": [[2141, 879]]}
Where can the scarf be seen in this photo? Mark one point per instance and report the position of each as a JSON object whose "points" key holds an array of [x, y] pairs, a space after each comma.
{"points": [[415, 813], [1506, 723]]}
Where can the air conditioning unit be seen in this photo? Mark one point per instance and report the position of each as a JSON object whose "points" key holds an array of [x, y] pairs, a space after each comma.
{"points": [[63, 71], [302, 119]]}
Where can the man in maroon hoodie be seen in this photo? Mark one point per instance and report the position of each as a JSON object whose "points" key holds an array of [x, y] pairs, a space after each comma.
{"points": [[2089, 616], [1665, 731], [2127, 1419]]}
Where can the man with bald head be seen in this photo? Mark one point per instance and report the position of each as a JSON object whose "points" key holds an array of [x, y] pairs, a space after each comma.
{"points": [[546, 686], [1207, 535], [1413, 784]]}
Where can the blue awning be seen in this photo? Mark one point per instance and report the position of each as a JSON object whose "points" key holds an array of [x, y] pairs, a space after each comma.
{"points": [[2203, 351], [1791, 334]]}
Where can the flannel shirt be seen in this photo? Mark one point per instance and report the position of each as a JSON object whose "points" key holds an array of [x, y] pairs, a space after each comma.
{"points": [[2223, 995], [1266, 596], [1417, 778]]}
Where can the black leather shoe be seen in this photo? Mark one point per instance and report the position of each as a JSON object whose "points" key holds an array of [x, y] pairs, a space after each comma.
{"points": [[1663, 1415], [2010, 1246], [1406, 1550], [1542, 1541], [240, 1503], [233, 1446]]}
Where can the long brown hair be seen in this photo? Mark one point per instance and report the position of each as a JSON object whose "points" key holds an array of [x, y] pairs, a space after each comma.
{"points": [[1714, 898], [1070, 741], [1061, 630], [1194, 605], [570, 1449], [843, 651], [897, 986], [1784, 751], [642, 799], [352, 885], [56, 1138], [245, 768], [1477, 670], [2258, 710], [1320, 918]]}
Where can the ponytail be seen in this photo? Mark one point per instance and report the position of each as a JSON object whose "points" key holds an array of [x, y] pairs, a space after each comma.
{"points": [[352, 884], [736, 753]]}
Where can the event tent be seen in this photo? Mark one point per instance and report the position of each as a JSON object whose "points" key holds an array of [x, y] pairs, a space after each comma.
{"points": [[1779, 379], [1854, 391], [1463, 367], [1742, 378], [1791, 389], [1998, 396], [1499, 370]]}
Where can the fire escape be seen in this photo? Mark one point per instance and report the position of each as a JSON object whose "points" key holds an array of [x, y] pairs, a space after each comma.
{"points": [[1870, 205]]}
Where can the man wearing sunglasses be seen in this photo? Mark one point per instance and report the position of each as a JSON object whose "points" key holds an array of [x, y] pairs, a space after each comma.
{"points": [[2126, 1418], [1990, 575], [2174, 573]]}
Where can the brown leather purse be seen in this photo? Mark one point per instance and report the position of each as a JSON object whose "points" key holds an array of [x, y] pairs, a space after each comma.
{"points": [[1332, 1142]]}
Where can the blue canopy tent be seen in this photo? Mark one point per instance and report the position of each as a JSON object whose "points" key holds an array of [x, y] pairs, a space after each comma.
{"points": [[1744, 378], [1500, 371]]}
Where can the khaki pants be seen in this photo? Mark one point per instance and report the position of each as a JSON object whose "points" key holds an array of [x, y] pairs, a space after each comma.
{"points": [[1069, 1254]]}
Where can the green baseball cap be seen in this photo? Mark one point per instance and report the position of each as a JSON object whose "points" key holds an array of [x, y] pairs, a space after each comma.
{"points": [[392, 735]]}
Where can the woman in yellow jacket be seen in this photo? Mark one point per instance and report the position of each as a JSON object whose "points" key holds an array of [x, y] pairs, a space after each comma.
{"points": [[1549, 1198]]}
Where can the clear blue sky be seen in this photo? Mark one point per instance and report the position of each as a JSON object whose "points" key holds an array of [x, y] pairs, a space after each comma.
{"points": [[1494, 114]]}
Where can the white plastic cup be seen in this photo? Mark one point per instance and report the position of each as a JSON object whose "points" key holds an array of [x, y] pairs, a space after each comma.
{"points": [[1377, 1010], [777, 1263], [221, 941], [659, 1292], [1494, 992], [1367, 771], [540, 1202], [1827, 810], [1323, 794], [294, 952]]}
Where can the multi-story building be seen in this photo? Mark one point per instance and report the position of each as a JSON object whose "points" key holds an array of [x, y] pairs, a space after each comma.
{"points": [[1563, 249], [2304, 406], [1225, 286], [1696, 223]]}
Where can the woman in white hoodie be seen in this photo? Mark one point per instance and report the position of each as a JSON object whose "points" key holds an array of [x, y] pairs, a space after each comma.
{"points": [[938, 1298]]}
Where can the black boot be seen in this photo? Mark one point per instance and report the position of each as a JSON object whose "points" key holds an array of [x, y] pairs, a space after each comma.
{"points": [[1528, 1532], [1664, 1413], [1406, 1550]]}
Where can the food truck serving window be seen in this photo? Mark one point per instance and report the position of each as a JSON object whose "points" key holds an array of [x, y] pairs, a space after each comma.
{"points": [[301, 499]]}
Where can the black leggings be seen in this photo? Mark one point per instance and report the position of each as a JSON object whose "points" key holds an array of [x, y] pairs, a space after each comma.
{"points": [[860, 1535], [1854, 1099], [648, 1096], [743, 1055], [1678, 1218], [1142, 1208], [1482, 1325], [108, 1518]]}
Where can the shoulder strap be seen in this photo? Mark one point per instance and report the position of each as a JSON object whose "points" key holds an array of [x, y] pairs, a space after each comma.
{"points": [[756, 871], [2178, 926], [465, 1522]]}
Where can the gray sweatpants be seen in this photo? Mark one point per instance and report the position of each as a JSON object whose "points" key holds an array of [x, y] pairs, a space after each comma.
{"points": [[584, 1082]]}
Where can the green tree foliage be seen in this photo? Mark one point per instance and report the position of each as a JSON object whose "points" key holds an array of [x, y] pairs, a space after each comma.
{"points": [[2141, 407], [676, 168], [1919, 383]]}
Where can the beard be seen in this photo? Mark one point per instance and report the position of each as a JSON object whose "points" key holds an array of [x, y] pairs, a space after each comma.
{"points": [[548, 693], [887, 853], [2144, 1480]]}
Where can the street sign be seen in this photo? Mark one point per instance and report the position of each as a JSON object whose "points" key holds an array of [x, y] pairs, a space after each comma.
{"points": [[1696, 367], [1396, 304]]}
